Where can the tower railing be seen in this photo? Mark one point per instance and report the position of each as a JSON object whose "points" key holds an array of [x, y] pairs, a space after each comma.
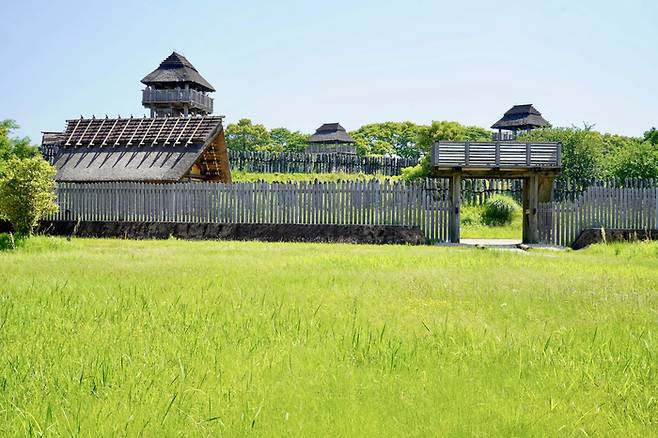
{"points": [[177, 95]]}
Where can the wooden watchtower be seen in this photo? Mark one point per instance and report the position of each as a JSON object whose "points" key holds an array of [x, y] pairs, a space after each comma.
{"points": [[537, 164], [176, 89], [520, 119], [331, 138]]}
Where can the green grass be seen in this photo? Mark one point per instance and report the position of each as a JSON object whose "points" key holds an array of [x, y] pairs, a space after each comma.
{"points": [[240, 176], [473, 228], [112, 337]]}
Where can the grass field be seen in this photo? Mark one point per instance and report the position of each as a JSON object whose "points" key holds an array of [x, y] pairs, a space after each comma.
{"points": [[112, 337]]}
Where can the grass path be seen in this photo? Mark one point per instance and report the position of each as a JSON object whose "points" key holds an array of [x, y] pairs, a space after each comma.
{"points": [[112, 337]]}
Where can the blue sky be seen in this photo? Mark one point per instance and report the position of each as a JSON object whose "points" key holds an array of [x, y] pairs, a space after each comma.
{"points": [[299, 64]]}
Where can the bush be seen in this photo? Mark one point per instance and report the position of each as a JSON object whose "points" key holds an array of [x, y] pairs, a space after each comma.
{"points": [[499, 210], [10, 241], [421, 170], [27, 193]]}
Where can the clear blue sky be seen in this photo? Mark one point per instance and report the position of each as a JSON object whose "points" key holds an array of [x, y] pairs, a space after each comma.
{"points": [[299, 64]]}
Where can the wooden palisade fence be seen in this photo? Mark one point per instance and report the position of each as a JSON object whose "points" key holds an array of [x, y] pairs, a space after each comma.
{"points": [[632, 205], [269, 162], [418, 204]]}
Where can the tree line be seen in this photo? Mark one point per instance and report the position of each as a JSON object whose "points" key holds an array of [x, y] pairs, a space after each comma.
{"points": [[586, 153]]}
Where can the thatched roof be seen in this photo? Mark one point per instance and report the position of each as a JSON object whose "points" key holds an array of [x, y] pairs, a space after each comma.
{"points": [[134, 149], [331, 133], [521, 117], [176, 70]]}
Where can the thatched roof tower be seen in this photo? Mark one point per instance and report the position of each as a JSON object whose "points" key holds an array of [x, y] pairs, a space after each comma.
{"points": [[521, 118], [331, 138], [176, 88]]}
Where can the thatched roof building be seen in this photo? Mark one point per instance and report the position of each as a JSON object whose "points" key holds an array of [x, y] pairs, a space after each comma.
{"points": [[161, 149], [176, 88], [177, 71], [521, 118], [50, 141], [331, 138]]}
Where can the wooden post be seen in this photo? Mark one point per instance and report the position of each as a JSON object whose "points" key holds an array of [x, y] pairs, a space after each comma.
{"points": [[530, 204], [545, 188], [455, 192]]}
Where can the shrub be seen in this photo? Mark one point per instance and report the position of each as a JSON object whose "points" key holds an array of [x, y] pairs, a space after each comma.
{"points": [[421, 170], [499, 210], [27, 193], [9, 241]]}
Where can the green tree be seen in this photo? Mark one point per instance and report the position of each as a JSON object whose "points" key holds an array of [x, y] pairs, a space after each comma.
{"points": [[388, 138], [651, 136], [13, 146], [639, 160], [449, 131], [245, 136], [582, 150], [437, 131], [27, 192], [288, 141]]}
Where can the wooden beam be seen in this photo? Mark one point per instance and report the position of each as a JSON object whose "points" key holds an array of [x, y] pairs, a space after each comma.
{"points": [[147, 131], [130, 142], [68, 142], [530, 205]]}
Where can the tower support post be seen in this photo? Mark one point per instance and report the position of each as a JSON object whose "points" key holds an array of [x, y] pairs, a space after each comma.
{"points": [[455, 195]]}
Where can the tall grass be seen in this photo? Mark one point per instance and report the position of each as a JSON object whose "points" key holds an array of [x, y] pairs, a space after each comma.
{"points": [[111, 337]]}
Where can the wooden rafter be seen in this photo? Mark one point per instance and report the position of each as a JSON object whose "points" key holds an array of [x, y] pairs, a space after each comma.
{"points": [[164, 122], [187, 122], [147, 132], [172, 131], [189, 141], [68, 142], [79, 143], [130, 142], [122, 131], [109, 132], [91, 143]]}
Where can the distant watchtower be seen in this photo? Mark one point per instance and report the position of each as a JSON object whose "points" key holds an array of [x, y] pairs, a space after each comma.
{"points": [[331, 138], [519, 119], [176, 89]]}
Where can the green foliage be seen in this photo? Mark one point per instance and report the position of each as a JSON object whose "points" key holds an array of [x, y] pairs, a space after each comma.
{"points": [[27, 193], [428, 135], [586, 153], [651, 136], [388, 138], [245, 136], [11, 147], [421, 170], [288, 141], [499, 210], [9, 241], [637, 160], [449, 131], [582, 150]]}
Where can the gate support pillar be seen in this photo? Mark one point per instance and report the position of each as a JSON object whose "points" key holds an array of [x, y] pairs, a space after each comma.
{"points": [[530, 205], [545, 188], [455, 195]]}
